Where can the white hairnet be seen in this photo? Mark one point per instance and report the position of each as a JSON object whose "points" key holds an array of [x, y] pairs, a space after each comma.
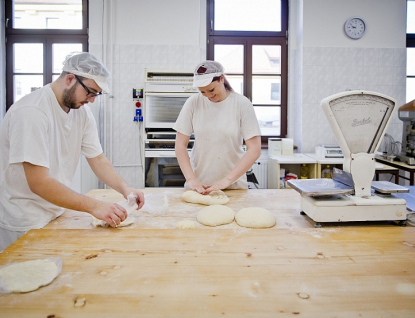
{"points": [[205, 72], [87, 65]]}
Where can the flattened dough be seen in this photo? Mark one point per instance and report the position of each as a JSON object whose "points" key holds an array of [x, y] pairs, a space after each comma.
{"points": [[254, 217], [215, 215], [186, 224], [96, 222], [27, 276], [215, 197]]}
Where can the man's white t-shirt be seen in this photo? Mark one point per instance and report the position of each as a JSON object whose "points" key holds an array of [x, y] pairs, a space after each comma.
{"points": [[37, 130], [219, 130]]}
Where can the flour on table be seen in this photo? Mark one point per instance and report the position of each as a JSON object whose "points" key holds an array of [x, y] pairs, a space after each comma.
{"points": [[254, 217], [27, 276], [128, 221], [215, 197], [129, 205], [215, 215], [186, 224]]}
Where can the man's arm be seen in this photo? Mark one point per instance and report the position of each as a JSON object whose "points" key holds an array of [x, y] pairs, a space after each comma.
{"points": [[105, 172], [55, 192]]}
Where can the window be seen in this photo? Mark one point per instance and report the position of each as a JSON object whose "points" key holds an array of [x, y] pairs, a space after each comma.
{"points": [[249, 38], [410, 50], [39, 35]]}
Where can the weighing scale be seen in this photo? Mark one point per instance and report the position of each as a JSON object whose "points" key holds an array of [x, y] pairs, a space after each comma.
{"points": [[332, 152], [359, 120]]}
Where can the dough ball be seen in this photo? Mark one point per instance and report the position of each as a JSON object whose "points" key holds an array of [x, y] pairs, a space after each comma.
{"points": [[215, 197], [255, 218], [27, 276], [215, 215], [186, 224]]}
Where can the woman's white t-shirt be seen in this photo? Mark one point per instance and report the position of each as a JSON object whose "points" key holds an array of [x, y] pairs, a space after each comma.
{"points": [[37, 130], [219, 130]]}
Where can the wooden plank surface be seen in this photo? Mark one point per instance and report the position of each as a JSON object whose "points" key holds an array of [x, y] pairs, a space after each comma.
{"points": [[336, 272], [284, 204], [152, 269]]}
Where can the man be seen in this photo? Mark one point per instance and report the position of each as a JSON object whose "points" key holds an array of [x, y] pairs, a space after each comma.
{"points": [[41, 139]]}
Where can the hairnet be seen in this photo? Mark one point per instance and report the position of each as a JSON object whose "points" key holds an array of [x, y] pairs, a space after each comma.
{"points": [[87, 65], [205, 72]]}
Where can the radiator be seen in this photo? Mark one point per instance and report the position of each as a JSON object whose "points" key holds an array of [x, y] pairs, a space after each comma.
{"points": [[259, 169]]}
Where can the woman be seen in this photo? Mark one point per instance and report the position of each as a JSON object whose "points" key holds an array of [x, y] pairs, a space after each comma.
{"points": [[220, 120]]}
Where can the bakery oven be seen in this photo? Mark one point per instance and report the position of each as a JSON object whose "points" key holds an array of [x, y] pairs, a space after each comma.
{"points": [[165, 92]]}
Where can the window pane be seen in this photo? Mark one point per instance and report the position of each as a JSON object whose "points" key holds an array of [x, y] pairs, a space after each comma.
{"points": [[248, 15], [410, 16], [46, 14], [410, 61], [237, 83], [410, 89], [25, 84], [266, 59], [266, 90], [59, 52], [269, 119], [231, 57], [25, 62]]}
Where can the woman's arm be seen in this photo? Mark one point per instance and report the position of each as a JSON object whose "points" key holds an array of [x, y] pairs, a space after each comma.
{"points": [[184, 161], [252, 153]]}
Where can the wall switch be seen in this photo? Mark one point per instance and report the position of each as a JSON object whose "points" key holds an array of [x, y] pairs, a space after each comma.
{"points": [[138, 93]]}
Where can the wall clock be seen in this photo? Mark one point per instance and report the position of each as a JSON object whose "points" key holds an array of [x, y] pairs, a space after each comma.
{"points": [[355, 28]]}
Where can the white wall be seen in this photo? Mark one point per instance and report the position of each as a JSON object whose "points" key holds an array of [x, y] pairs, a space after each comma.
{"points": [[324, 23], [325, 61], [2, 62], [131, 35]]}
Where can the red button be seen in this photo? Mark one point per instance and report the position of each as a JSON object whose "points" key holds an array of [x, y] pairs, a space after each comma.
{"points": [[138, 104]]}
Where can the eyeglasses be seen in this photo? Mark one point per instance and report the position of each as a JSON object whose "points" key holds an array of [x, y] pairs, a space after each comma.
{"points": [[89, 93]]}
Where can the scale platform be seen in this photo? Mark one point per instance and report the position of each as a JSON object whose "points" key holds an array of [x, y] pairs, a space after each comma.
{"points": [[327, 200], [359, 120]]}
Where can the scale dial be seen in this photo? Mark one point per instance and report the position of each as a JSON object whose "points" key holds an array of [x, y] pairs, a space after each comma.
{"points": [[355, 28]]}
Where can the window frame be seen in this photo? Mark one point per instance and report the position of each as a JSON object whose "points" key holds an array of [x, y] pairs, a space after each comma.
{"points": [[248, 39], [47, 37]]}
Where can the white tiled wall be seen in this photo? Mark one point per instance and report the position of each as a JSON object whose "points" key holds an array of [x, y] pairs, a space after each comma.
{"points": [[120, 134], [319, 72], [326, 71]]}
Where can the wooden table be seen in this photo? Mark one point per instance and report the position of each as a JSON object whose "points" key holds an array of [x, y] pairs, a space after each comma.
{"points": [[152, 269], [284, 204], [401, 166]]}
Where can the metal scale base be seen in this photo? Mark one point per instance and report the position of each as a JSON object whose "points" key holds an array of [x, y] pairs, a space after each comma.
{"points": [[341, 208], [359, 120]]}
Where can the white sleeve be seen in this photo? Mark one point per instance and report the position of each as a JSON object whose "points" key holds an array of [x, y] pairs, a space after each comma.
{"points": [[29, 131], [249, 122]]}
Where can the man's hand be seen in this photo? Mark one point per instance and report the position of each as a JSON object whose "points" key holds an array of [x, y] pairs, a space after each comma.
{"points": [[112, 213], [139, 195]]}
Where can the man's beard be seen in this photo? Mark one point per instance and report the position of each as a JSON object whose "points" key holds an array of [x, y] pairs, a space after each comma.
{"points": [[68, 97]]}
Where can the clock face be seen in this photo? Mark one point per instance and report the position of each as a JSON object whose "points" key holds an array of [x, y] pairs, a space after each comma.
{"points": [[355, 28]]}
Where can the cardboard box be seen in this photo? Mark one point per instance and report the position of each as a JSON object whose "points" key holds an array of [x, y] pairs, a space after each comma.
{"points": [[274, 146], [287, 146]]}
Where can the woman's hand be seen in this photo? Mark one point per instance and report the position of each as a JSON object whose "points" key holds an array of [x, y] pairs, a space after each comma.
{"points": [[196, 185], [218, 185]]}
